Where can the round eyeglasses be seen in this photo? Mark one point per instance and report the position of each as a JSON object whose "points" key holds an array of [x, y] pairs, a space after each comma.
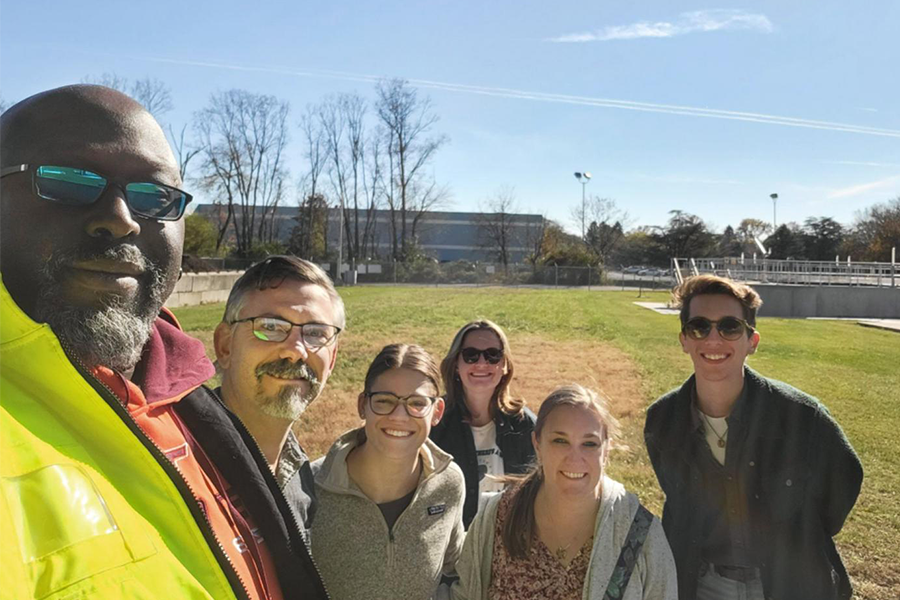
{"points": [[384, 403]]}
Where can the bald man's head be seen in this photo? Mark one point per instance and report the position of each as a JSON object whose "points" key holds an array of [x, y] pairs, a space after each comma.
{"points": [[97, 273], [98, 116]]}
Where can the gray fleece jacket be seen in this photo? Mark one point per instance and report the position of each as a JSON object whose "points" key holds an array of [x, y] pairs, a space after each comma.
{"points": [[653, 577], [356, 554]]}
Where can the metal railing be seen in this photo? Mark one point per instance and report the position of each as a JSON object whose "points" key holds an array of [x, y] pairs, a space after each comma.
{"points": [[795, 272]]}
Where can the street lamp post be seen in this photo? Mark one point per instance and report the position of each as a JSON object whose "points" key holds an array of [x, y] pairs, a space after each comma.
{"points": [[583, 179], [774, 198]]}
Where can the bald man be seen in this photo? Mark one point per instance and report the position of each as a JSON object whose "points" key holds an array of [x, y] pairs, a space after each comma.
{"points": [[120, 475]]}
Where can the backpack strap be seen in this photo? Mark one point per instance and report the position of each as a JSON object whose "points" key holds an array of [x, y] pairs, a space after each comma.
{"points": [[631, 549]]}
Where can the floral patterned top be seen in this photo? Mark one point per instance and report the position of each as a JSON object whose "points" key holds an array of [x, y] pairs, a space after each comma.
{"points": [[539, 576]]}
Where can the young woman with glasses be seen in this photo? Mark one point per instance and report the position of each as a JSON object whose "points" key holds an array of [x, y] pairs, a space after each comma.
{"points": [[485, 428], [388, 524], [566, 531]]}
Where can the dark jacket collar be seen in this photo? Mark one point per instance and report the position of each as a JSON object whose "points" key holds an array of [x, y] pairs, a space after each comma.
{"points": [[235, 453]]}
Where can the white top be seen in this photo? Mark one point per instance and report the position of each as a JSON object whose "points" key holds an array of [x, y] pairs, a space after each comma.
{"points": [[490, 461]]}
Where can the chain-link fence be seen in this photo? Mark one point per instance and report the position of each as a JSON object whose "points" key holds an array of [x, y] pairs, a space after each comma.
{"points": [[478, 274], [462, 273]]}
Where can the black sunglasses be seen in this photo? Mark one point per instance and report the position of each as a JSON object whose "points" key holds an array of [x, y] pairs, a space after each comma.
{"points": [[491, 355], [729, 328], [79, 187]]}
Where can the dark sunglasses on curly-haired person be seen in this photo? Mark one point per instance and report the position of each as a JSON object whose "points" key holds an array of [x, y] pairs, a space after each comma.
{"points": [[729, 328], [491, 355], [73, 186]]}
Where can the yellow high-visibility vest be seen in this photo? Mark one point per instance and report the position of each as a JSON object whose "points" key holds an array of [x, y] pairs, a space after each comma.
{"points": [[86, 510]]}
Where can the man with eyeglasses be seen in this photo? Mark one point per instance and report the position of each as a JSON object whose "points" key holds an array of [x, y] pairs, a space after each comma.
{"points": [[120, 475], [275, 348], [758, 476]]}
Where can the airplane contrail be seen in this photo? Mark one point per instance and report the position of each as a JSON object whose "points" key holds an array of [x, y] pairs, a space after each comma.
{"points": [[672, 109]]}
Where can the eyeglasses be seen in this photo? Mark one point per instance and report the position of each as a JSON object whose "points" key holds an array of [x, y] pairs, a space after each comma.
{"points": [[273, 329], [78, 187], [729, 328], [491, 355], [384, 403]]}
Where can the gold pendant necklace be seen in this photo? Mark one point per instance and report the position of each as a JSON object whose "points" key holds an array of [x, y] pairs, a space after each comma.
{"points": [[721, 442]]}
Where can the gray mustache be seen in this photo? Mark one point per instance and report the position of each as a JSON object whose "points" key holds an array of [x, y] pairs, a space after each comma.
{"points": [[287, 369], [122, 253]]}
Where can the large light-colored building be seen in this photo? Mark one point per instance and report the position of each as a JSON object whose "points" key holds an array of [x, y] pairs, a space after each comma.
{"points": [[445, 236]]}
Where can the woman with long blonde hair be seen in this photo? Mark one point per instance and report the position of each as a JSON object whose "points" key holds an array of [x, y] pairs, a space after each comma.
{"points": [[485, 428], [567, 531]]}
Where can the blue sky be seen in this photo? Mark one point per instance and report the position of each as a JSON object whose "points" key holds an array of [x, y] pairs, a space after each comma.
{"points": [[702, 107]]}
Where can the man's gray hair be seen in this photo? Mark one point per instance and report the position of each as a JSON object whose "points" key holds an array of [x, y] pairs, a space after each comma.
{"points": [[271, 273]]}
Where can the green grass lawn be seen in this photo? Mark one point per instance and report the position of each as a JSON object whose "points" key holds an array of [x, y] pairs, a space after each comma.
{"points": [[853, 370]]}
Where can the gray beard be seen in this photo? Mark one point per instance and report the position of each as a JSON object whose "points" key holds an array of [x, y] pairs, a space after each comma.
{"points": [[115, 334], [290, 402]]}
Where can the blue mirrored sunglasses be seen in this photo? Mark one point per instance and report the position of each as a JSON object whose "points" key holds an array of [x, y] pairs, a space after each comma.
{"points": [[79, 187]]}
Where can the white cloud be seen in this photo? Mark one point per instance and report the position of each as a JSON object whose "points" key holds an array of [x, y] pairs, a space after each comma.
{"points": [[688, 22], [862, 188]]}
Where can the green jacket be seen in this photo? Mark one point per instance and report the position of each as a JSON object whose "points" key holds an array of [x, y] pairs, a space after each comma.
{"points": [[86, 509]]}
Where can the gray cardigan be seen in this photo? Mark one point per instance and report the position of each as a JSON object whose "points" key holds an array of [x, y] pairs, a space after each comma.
{"points": [[358, 557], [654, 572]]}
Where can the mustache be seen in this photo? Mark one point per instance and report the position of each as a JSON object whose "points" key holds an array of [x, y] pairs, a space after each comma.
{"points": [[287, 369], [127, 253]]}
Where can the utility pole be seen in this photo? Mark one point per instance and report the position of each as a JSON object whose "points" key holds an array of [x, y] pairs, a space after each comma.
{"points": [[774, 198], [583, 179]]}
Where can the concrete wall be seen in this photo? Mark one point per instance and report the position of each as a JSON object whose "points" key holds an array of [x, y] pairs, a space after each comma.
{"points": [[828, 301], [202, 288]]}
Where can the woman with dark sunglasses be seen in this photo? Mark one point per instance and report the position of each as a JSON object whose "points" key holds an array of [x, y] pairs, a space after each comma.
{"points": [[485, 428], [388, 523]]}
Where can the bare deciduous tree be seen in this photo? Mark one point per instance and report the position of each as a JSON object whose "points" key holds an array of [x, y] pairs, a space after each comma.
{"points": [[152, 93], [312, 217], [342, 120], [495, 224], [373, 187], [535, 238], [408, 121], [427, 196], [606, 224], [183, 153], [242, 138]]}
